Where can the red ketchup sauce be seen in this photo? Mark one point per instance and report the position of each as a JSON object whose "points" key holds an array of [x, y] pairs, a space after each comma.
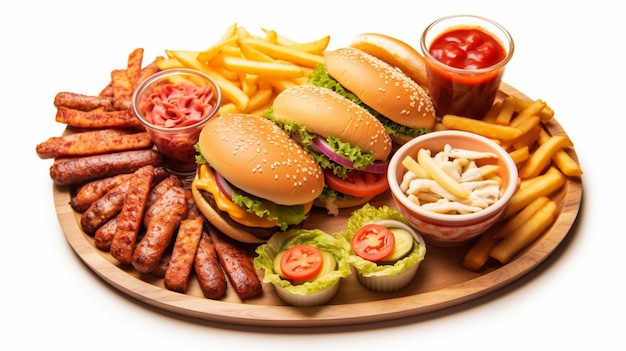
{"points": [[175, 106], [469, 95]]}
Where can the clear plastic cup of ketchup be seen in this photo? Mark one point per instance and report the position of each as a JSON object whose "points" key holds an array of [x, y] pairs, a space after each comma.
{"points": [[174, 105], [465, 58]]}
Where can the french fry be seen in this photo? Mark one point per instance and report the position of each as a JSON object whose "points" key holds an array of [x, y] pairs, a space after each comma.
{"points": [[486, 129], [437, 173], [546, 114], [284, 53], [544, 185], [530, 110], [541, 157], [521, 217], [412, 166], [520, 155], [316, 47], [478, 254], [229, 90], [561, 158], [273, 69], [506, 112], [524, 235], [566, 164]]}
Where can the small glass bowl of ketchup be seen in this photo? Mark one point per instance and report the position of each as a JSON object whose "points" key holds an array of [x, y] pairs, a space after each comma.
{"points": [[174, 105], [465, 60]]}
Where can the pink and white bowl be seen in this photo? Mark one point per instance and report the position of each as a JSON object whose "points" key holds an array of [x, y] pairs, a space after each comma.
{"points": [[447, 230]]}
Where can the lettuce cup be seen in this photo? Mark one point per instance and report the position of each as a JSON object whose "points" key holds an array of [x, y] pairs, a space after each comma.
{"points": [[305, 266], [385, 251]]}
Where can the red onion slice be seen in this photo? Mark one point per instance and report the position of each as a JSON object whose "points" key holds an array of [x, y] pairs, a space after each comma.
{"points": [[323, 147], [223, 185]]}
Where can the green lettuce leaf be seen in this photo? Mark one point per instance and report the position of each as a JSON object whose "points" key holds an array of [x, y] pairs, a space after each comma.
{"points": [[368, 213], [283, 215], [354, 153], [335, 245]]}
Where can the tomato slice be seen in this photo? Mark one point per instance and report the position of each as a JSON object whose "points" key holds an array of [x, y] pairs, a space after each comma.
{"points": [[358, 183], [373, 242], [301, 262]]}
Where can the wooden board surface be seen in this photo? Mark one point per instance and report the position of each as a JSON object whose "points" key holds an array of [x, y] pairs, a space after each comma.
{"points": [[441, 281]]}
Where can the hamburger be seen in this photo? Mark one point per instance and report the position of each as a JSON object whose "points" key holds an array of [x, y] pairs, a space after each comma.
{"points": [[397, 101], [253, 180], [348, 143]]}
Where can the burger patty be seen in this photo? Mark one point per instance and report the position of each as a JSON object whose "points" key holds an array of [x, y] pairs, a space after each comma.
{"points": [[263, 233]]}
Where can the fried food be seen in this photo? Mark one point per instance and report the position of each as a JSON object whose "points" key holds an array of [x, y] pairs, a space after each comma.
{"points": [[92, 191], [208, 269], [129, 219], [98, 118], [185, 247], [169, 210], [93, 142], [83, 102], [78, 170], [237, 264]]}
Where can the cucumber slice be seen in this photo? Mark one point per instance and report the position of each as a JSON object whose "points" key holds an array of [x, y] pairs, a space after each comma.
{"points": [[404, 245]]}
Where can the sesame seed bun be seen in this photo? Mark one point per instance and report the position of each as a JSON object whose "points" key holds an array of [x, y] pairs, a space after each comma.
{"points": [[327, 113], [382, 87], [255, 155], [396, 53]]}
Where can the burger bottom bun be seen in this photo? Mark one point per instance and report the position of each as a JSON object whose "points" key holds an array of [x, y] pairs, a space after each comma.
{"points": [[220, 223]]}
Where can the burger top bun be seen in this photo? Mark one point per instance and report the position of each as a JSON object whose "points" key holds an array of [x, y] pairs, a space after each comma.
{"points": [[396, 53], [257, 156], [327, 113], [382, 87]]}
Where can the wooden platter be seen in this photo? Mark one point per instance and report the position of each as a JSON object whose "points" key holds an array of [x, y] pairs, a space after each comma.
{"points": [[441, 281]]}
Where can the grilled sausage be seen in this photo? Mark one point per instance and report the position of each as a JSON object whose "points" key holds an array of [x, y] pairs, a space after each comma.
{"points": [[92, 191], [237, 264], [105, 208], [208, 269], [170, 209], [185, 247], [78, 170], [83, 102]]}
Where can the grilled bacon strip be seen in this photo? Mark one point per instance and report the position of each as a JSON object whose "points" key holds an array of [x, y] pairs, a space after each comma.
{"points": [[185, 247], [98, 118], [79, 170], [128, 221], [93, 142]]}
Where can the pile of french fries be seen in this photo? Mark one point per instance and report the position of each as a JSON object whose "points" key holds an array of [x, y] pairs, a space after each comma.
{"points": [[520, 126], [252, 69]]}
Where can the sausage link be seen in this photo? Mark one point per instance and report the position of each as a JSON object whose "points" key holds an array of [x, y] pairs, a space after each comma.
{"points": [[128, 222], [237, 264], [92, 191], [78, 170], [170, 210], [185, 246], [208, 269]]}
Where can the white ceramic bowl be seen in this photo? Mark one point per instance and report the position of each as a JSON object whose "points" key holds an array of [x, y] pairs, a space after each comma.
{"points": [[452, 229]]}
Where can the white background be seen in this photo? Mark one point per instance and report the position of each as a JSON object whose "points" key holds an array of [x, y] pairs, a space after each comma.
{"points": [[570, 54]]}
